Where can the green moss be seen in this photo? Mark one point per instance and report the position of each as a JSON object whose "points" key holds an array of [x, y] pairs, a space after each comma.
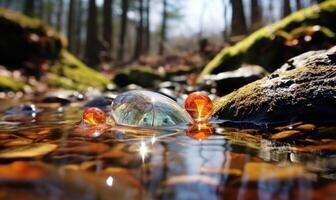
{"points": [[7, 83], [69, 72], [266, 47], [140, 75], [25, 39]]}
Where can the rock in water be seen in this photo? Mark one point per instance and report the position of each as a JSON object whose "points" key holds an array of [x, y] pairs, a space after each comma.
{"points": [[302, 89]]}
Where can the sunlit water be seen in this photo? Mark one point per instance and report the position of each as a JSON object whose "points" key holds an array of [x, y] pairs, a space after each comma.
{"points": [[235, 162]]}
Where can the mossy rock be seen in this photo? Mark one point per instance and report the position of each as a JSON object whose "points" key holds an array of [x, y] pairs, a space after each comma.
{"points": [[26, 43], [25, 39], [10, 84], [302, 89], [268, 47], [69, 72], [139, 75]]}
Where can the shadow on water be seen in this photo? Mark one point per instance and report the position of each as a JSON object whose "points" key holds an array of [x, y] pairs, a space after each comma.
{"points": [[43, 157]]}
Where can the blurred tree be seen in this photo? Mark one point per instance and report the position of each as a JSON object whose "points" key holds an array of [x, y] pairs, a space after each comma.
{"points": [[256, 15], [79, 25], [270, 17], [201, 18], [92, 43], [147, 27], [28, 8], [71, 25], [123, 29], [59, 16], [286, 8], [163, 33], [225, 30], [107, 25], [39, 9], [140, 29], [238, 22], [48, 11], [298, 4]]}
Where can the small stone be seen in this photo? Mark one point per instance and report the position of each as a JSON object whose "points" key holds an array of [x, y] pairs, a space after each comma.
{"points": [[199, 106], [101, 102], [22, 109], [93, 116]]}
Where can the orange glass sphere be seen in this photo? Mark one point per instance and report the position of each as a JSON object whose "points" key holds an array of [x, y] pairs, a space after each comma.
{"points": [[200, 131], [93, 116], [199, 106]]}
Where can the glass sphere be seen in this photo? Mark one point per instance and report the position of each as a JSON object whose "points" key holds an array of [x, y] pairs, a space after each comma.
{"points": [[199, 106], [93, 116], [148, 109]]}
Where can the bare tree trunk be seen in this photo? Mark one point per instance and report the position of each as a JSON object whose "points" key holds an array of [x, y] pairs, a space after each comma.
{"points": [[39, 9], [92, 48], [225, 29], [200, 22], [163, 28], [270, 12], [59, 16], [286, 8], [298, 4], [28, 8], [78, 21], [71, 24], [123, 29], [147, 31], [140, 28], [256, 19], [238, 22], [48, 11], [107, 24]]}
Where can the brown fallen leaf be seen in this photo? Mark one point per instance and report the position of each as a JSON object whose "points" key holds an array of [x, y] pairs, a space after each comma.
{"points": [[16, 142], [82, 147], [288, 127], [213, 170], [306, 127], [20, 171], [257, 171], [27, 151], [328, 146], [285, 134], [189, 179]]}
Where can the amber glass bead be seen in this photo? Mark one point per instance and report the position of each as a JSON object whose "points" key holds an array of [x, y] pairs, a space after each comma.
{"points": [[200, 131], [199, 106], [93, 116]]}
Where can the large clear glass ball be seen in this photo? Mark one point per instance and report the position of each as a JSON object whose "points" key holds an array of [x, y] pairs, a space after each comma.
{"points": [[148, 109]]}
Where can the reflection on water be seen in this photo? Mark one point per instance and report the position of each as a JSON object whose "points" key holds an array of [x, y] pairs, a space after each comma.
{"points": [[47, 156]]}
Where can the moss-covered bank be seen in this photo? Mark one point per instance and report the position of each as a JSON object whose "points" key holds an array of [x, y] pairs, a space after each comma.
{"points": [[28, 44], [308, 29]]}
